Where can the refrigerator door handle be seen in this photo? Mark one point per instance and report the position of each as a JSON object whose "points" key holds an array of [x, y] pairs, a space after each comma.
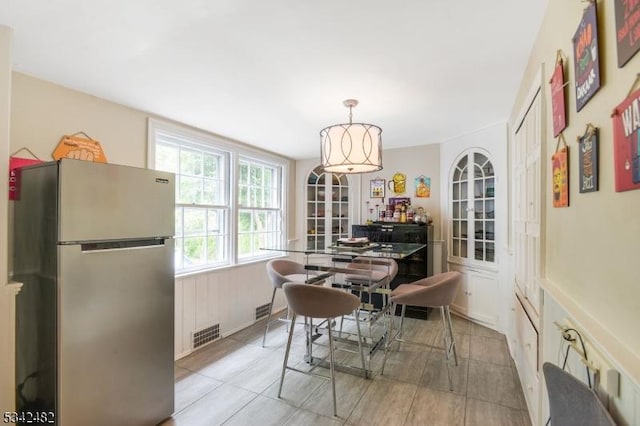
{"points": [[121, 245]]}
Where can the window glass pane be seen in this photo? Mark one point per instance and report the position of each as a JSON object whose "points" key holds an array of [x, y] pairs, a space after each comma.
{"points": [[167, 158], [256, 175], [260, 219], [244, 222], [212, 193], [269, 200], [269, 177], [215, 221], [256, 197], [215, 249], [193, 251], [190, 162], [244, 245], [194, 221], [243, 173], [190, 191], [243, 196], [212, 165]]}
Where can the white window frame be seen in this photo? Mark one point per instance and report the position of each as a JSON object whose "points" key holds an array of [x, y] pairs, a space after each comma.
{"points": [[235, 151]]}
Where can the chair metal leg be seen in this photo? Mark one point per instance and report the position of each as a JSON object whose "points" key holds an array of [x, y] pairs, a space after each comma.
{"points": [[388, 340], [404, 308], [446, 345], [331, 361], [360, 340], [286, 354], [266, 328], [453, 339]]}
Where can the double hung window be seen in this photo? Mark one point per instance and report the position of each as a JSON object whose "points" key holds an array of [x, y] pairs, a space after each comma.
{"points": [[229, 200]]}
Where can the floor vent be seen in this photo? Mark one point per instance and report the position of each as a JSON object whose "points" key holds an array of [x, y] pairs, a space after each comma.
{"points": [[262, 311], [206, 335]]}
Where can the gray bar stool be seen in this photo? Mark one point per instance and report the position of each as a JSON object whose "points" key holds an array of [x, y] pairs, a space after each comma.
{"points": [[437, 291], [318, 302], [282, 271]]}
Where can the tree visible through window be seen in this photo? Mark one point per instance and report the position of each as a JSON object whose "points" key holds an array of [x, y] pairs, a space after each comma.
{"points": [[259, 211], [205, 217]]}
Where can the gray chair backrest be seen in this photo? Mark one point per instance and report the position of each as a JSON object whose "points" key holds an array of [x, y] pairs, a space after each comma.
{"points": [[319, 302], [390, 266], [571, 402], [277, 269], [432, 292]]}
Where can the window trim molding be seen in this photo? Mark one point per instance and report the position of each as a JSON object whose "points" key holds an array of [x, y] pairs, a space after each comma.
{"points": [[236, 150]]}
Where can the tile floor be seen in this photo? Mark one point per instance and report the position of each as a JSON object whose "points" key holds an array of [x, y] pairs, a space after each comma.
{"points": [[234, 381]]}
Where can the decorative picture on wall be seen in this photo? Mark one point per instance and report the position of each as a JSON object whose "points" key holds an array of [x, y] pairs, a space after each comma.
{"points": [[423, 186], [377, 188], [398, 183], [588, 159], [626, 142], [627, 29], [557, 97], [560, 178], [586, 57]]}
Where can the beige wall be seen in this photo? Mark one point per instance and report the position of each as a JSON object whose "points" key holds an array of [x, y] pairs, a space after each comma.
{"points": [[591, 248], [413, 162], [42, 112]]}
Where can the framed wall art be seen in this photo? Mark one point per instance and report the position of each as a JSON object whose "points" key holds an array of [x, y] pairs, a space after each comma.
{"points": [[423, 186], [627, 29], [377, 188], [558, 109], [588, 159], [626, 141], [560, 170], [586, 57]]}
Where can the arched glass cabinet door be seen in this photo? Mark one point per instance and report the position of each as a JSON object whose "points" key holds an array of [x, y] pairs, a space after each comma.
{"points": [[327, 208], [473, 208]]}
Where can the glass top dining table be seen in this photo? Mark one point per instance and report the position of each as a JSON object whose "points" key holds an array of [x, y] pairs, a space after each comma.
{"points": [[372, 250]]}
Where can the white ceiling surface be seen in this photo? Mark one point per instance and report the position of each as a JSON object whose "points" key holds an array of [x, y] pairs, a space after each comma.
{"points": [[273, 73]]}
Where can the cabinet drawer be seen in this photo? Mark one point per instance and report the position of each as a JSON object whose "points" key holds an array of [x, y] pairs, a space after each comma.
{"points": [[531, 389], [527, 335]]}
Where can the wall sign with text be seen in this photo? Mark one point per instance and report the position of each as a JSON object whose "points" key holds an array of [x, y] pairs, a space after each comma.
{"points": [[557, 98], [585, 56], [588, 159], [627, 29], [626, 143]]}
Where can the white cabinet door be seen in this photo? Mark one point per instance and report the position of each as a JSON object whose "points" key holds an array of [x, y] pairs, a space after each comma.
{"points": [[483, 296], [477, 296], [461, 302]]}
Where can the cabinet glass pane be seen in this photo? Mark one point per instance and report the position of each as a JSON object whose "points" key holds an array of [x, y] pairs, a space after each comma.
{"points": [[472, 208], [327, 208]]}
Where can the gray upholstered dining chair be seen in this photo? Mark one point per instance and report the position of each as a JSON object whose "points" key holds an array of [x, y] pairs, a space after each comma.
{"points": [[571, 402], [437, 291], [321, 302], [383, 271], [281, 271]]}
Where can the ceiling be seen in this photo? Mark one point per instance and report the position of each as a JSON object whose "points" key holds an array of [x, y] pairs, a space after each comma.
{"points": [[273, 73]]}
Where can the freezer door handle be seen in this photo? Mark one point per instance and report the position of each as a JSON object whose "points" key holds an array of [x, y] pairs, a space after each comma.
{"points": [[121, 245]]}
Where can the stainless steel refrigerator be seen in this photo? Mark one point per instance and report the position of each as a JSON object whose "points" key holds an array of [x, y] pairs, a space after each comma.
{"points": [[95, 317]]}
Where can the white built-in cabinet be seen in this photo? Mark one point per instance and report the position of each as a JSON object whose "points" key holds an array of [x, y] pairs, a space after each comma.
{"points": [[527, 169], [472, 226], [327, 208]]}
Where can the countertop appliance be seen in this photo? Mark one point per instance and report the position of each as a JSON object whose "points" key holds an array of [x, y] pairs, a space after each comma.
{"points": [[93, 247]]}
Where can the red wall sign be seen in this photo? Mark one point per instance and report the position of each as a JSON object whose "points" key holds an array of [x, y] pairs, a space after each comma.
{"points": [[557, 99], [14, 174], [626, 143]]}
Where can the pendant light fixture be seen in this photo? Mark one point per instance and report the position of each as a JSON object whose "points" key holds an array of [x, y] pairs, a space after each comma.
{"points": [[351, 147]]}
